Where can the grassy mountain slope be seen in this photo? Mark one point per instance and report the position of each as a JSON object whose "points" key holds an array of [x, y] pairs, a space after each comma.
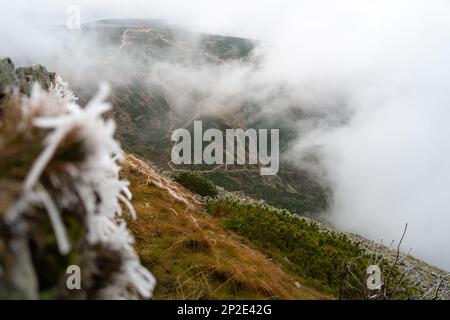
{"points": [[234, 247], [193, 255]]}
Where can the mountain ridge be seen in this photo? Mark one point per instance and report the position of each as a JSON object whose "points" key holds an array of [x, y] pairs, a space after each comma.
{"points": [[142, 116]]}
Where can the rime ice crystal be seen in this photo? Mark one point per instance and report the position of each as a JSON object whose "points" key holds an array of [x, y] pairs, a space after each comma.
{"points": [[77, 170]]}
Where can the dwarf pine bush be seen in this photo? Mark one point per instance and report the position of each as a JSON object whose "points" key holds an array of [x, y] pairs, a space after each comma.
{"points": [[321, 257], [196, 183]]}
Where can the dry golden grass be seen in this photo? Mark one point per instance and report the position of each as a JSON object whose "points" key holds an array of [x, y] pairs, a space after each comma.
{"points": [[192, 255]]}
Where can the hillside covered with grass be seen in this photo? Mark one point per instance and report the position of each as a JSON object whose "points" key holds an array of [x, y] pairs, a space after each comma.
{"points": [[226, 247], [193, 255]]}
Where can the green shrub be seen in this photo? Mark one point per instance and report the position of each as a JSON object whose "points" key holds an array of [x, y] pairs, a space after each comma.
{"points": [[196, 183], [321, 257]]}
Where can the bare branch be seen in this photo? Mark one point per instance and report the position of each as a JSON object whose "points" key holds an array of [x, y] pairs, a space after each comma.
{"points": [[387, 282], [439, 284]]}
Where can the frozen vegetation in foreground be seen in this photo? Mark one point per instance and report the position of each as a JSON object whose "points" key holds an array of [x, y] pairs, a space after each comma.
{"points": [[62, 201]]}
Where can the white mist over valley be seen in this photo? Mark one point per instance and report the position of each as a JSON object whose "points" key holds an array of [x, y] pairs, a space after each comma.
{"points": [[374, 77]]}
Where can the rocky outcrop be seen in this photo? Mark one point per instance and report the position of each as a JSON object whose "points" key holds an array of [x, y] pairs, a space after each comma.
{"points": [[36, 73], [23, 78]]}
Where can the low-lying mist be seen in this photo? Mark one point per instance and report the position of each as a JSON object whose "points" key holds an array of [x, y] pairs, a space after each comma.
{"points": [[377, 73]]}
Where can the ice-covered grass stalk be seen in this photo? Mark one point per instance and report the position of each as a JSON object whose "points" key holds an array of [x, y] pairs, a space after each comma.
{"points": [[77, 173]]}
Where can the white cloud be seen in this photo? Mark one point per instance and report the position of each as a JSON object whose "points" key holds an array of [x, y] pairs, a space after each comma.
{"points": [[390, 60]]}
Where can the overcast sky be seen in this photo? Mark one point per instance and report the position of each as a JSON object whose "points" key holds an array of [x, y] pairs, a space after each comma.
{"points": [[390, 59]]}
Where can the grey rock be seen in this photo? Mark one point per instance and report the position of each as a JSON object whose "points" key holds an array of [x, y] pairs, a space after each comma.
{"points": [[24, 77], [8, 77], [34, 73]]}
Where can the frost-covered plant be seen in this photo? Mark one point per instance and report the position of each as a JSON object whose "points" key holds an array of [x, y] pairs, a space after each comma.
{"points": [[67, 162]]}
